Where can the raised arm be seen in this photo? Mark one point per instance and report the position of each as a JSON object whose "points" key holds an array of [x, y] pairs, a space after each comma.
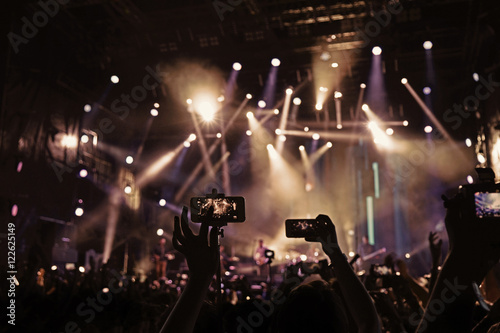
{"points": [[358, 301], [474, 249], [202, 258]]}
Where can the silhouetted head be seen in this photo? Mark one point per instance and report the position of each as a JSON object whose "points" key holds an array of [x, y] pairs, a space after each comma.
{"points": [[312, 307]]}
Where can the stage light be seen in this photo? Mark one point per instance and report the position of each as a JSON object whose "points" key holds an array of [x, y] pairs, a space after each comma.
{"points": [[337, 94], [365, 107], [289, 91], [53, 267], [81, 269], [261, 104], [248, 132], [115, 79], [127, 189], [250, 115], [162, 202], [306, 129], [480, 158], [189, 101], [323, 89], [377, 50], [277, 131], [105, 290], [297, 101], [475, 77], [468, 142], [69, 141], [315, 136], [84, 138], [351, 254], [276, 111], [249, 96], [319, 106], [405, 123], [153, 112], [275, 62], [470, 180], [159, 232], [303, 257], [308, 187], [427, 45], [389, 131], [206, 110], [362, 85], [156, 105], [335, 65], [19, 166], [129, 160], [404, 80], [237, 66], [350, 232], [14, 210], [282, 138], [339, 126], [426, 90], [187, 144], [192, 137], [220, 99], [301, 148], [270, 147], [428, 129], [329, 144], [83, 173], [219, 135], [407, 256], [79, 211], [87, 108]]}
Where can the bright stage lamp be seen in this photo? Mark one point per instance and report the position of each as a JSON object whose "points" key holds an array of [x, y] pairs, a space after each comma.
{"points": [[250, 115], [377, 50], [192, 137], [187, 144], [159, 232], [237, 66], [468, 142], [426, 90], [389, 131], [428, 129], [282, 138], [276, 111], [427, 45], [129, 160], [154, 112], [335, 65], [162, 202], [79, 211], [337, 94], [297, 101], [365, 107], [219, 135], [248, 133], [262, 104], [83, 173], [249, 96], [84, 138], [127, 189], [319, 106], [404, 80], [405, 123], [87, 108], [301, 148], [339, 126], [329, 144], [362, 85], [289, 91], [156, 105], [115, 79], [275, 62], [315, 136]]}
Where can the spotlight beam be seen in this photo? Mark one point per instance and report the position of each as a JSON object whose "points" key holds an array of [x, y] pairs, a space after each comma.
{"points": [[338, 135], [338, 112], [144, 137], [317, 154], [152, 171], [428, 112], [205, 157], [282, 125], [212, 148]]}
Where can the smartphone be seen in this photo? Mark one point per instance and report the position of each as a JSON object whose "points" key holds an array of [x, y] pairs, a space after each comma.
{"points": [[302, 228], [225, 209], [487, 204]]}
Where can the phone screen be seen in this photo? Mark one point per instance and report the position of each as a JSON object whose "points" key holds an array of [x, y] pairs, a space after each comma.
{"points": [[300, 228], [225, 209], [487, 204]]}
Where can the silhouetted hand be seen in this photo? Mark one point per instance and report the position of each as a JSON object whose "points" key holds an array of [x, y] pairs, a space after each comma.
{"points": [[201, 254], [327, 235], [435, 245]]}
